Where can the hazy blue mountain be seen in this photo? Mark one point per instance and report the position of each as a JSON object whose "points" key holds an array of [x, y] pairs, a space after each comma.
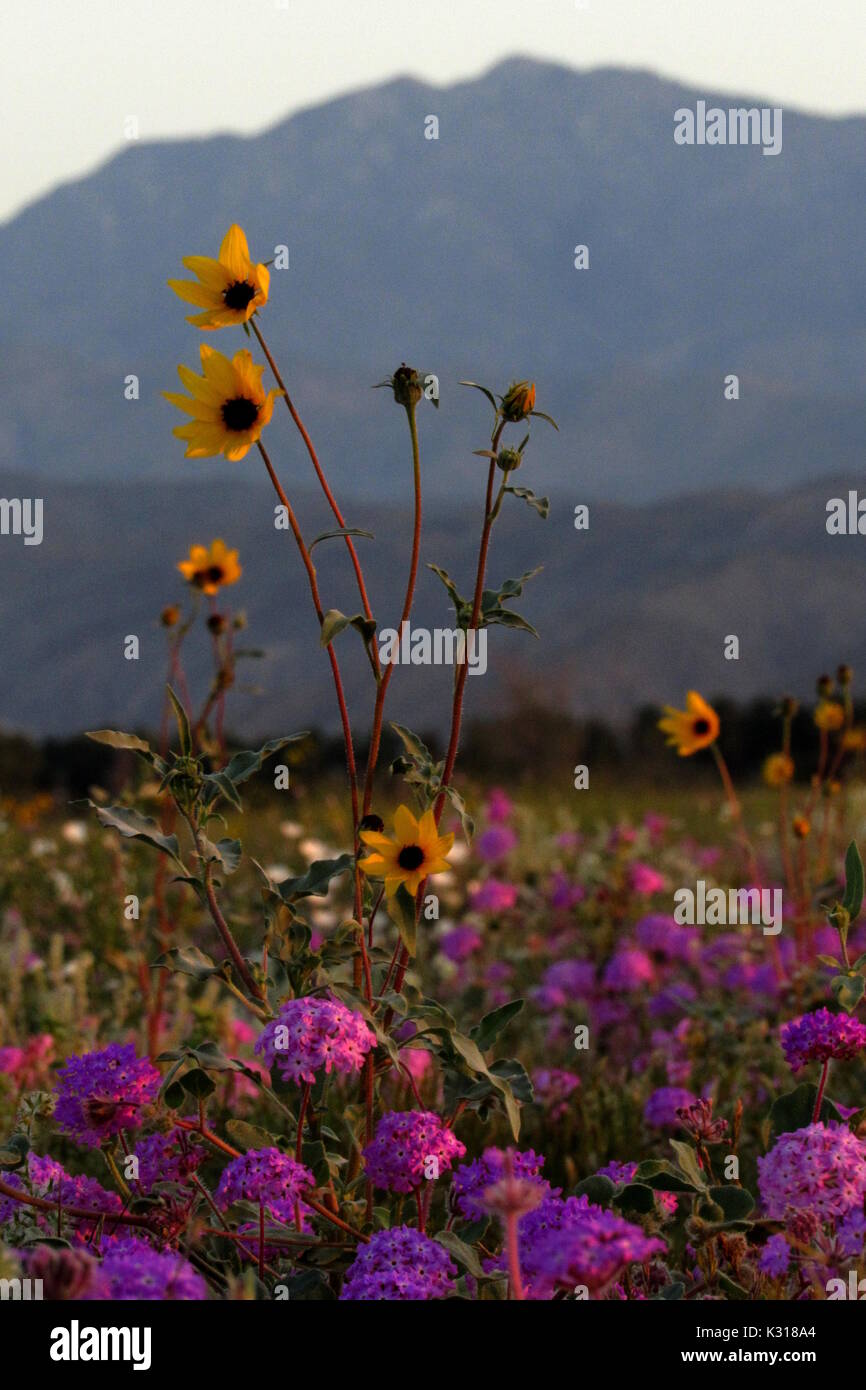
{"points": [[633, 610], [457, 255]]}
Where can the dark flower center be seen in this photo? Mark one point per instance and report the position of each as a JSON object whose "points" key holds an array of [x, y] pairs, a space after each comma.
{"points": [[238, 295], [239, 413], [410, 857], [701, 727]]}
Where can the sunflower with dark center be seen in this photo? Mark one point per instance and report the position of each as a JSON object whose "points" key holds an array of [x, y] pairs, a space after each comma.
{"points": [[405, 858], [228, 404], [691, 729], [230, 289], [211, 568]]}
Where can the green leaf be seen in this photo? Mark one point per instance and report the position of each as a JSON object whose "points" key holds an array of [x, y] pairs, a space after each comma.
{"points": [[401, 910], [541, 504], [848, 990], [115, 739], [226, 786], [314, 883], [854, 882], [597, 1188], [636, 1196], [226, 853], [829, 960], [459, 603], [174, 1096], [734, 1201], [487, 1031], [483, 389], [466, 821], [514, 1072], [134, 826], [662, 1176], [688, 1162], [463, 1253], [188, 960], [415, 747], [794, 1110], [183, 729], [505, 617], [730, 1286], [14, 1151], [334, 622], [343, 531], [197, 1084], [243, 765]]}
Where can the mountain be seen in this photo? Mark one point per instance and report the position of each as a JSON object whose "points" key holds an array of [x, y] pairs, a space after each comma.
{"points": [[456, 254], [634, 610]]}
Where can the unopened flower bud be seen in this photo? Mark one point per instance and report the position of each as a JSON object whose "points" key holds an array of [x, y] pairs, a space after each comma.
{"points": [[844, 675], [170, 615], [509, 459], [824, 687], [518, 401], [372, 822], [407, 386], [216, 623]]}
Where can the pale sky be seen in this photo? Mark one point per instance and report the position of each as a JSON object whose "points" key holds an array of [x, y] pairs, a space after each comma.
{"points": [[74, 70]]}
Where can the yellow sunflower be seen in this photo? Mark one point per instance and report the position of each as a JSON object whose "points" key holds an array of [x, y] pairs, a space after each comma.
{"points": [[778, 770], [689, 730], [415, 850], [211, 569], [230, 288], [829, 715], [229, 406]]}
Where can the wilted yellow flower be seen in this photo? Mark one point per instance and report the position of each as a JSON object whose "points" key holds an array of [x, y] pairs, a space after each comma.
{"points": [[229, 406], [230, 289], [211, 569], [801, 827], [778, 770], [829, 715], [689, 730], [170, 615], [415, 850]]}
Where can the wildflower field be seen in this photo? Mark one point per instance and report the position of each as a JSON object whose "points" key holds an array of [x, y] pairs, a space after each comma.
{"points": [[404, 1035]]}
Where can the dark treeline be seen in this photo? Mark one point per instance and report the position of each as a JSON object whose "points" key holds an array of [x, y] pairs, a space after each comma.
{"points": [[529, 742]]}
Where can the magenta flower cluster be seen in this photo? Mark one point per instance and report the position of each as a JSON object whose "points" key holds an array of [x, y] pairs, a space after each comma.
{"points": [[820, 1169], [132, 1269], [170, 1157], [101, 1093], [409, 1146], [592, 1251], [268, 1176], [399, 1265], [471, 1180], [311, 1036], [820, 1036]]}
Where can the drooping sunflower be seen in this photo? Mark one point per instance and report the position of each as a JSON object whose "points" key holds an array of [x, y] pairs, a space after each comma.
{"points": [[229, 406], [211, 569], [691, 729], [230, 288], [415, 850]]}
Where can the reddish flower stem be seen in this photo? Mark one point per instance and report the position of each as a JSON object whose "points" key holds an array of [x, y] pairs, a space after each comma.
{"points": [[317, 604], [323, 482], [385, 676], [825, 1071]]}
